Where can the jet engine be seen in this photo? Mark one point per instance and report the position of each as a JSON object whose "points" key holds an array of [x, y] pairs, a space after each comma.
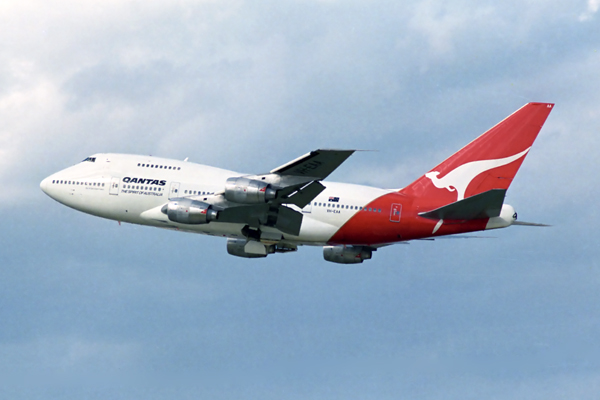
{"points": [[248, 248], [248, 191], [188, 211], [347, 254], [239, 247]]}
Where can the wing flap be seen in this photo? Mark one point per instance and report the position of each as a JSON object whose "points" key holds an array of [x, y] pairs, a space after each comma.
{"points": [[289, 221], [252, 215], [281, 217], [304, 195]]}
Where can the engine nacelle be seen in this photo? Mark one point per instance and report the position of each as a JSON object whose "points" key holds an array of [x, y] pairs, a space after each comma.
{"points": [[248, 191], [188, 211], [347, 254], [247, 249]]}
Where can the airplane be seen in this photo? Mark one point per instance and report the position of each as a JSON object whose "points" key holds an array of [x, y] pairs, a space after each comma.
{"points": [[292, 205]]}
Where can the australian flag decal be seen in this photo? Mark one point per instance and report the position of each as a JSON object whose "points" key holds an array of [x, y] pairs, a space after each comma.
{"points": [[334, 199]]}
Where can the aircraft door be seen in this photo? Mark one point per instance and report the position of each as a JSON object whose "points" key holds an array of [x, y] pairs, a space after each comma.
{"points": [[174, 190], [396, 212], [114, 186]]}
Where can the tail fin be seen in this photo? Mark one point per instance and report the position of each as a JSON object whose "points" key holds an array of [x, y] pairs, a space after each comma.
{"points": [[489, 162]]}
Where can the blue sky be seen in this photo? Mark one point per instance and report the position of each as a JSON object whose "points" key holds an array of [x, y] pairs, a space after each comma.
{"points": [[91, 309]]}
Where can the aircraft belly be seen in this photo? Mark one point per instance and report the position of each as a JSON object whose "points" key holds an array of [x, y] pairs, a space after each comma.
{"points": [[314, 230]]}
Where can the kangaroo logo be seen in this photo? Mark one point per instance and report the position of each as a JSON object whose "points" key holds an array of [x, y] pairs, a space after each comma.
{"points": [[459, 178]]}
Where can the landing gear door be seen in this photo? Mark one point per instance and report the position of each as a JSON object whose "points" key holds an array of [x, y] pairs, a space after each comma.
{"points": [[174, 190], [396, 212], [114, 186]]}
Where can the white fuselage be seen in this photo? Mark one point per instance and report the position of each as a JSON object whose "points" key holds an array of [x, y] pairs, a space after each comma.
{"points": [[131, 188]]}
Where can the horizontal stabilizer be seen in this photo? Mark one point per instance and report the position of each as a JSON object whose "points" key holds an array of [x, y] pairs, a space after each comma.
{"points": [[483, 205], [522, 223]]}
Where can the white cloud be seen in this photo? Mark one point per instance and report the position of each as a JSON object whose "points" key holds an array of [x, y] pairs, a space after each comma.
{"points": [[250, 86], [229, 80], [592, 9], [443, 24]]}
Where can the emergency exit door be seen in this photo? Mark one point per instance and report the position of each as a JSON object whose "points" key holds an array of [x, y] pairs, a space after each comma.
{"points": [[174, 190], [114, 186], [396, 212]]}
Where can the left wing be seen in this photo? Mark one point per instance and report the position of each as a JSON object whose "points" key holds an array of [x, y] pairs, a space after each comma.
{"points": [[262, 199], [314, 166]]}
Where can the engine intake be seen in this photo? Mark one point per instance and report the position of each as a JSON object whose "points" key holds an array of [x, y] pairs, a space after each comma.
{"points": [[188, 211], [248, 191], [347, 254]]}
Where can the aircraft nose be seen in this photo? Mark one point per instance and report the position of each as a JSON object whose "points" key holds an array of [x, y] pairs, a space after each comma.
{"points": [[45, 185]]}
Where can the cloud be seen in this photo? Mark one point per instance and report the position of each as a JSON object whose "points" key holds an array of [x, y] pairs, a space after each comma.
{"points": [[249, 86], [592, 9], [220, 84]]}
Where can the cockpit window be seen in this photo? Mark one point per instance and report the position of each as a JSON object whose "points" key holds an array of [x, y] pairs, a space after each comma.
{"points": [[90, 159]]}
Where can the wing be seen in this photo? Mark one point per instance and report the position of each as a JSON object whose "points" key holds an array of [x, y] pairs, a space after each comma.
{"points": [[295, 183], [316, 165], [258, 200]]}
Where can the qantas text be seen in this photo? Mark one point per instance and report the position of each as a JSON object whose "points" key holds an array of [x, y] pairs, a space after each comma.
{"points": [[144, 181]]}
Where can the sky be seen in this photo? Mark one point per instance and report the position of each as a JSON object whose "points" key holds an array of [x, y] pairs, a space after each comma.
{"points": [[90, 309]]}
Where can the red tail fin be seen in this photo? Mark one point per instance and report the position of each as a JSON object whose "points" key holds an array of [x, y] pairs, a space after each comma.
{"points": [[489, 162]]}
